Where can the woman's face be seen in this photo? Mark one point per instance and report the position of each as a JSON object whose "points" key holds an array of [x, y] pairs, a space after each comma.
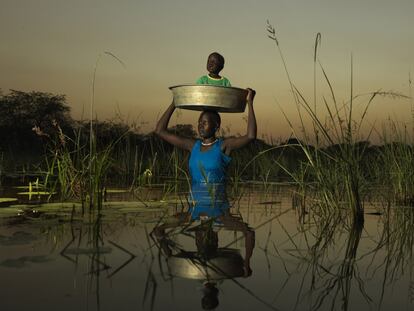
{"points": [[206, 126]]}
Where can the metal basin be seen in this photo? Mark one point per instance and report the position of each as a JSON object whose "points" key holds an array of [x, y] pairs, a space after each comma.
{"points": [[209, 97], [225, 265]]}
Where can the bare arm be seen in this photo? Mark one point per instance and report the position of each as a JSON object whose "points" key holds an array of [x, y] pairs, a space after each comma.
{"points": [[161, 131], [233, 143]]}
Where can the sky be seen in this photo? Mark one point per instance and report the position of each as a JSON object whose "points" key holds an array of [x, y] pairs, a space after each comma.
{"points": [[55, 46]]}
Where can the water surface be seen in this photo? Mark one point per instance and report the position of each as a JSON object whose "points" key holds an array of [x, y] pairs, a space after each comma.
{"points": [[53, 258]]}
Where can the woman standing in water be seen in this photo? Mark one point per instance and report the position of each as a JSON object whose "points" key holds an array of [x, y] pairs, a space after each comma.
{"points": [[209, 157]]}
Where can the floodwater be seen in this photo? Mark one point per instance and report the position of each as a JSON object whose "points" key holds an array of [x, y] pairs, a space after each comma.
{"points": [[267, 255]]}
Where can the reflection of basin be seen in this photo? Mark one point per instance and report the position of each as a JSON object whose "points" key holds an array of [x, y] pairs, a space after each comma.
{"points": [[226, 264], [209, 97]]}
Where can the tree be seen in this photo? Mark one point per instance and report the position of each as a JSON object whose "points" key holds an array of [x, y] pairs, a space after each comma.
{"points": [[21, 111]]}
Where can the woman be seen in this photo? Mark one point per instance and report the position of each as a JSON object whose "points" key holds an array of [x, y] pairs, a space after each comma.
{"points": [[209, 157]]}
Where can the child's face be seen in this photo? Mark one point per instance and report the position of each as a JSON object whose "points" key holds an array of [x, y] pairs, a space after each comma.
{"points": [[214, 64], [206, 126]]}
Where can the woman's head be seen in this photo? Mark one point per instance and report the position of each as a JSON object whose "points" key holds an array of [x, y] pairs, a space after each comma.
{"points": [[208, 123], [210, 299]]}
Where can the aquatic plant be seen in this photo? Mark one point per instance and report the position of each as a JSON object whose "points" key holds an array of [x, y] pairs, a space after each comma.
{"points": [[73, 168], [73, 171], [334, 165], [393, 165]]}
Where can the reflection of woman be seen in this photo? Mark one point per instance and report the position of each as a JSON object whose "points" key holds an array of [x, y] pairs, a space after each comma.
{"points": [[208, 200], [209, 156], [209, 263], [206, 239]]}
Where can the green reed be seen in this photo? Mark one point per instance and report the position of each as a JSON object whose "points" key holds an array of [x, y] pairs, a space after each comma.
{"points": [[335, 164], [79, 167], [393, 167], [75, 172]]}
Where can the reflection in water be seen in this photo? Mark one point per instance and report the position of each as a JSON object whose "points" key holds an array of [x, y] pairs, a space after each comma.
{"points": [[395, 248], [17, 238], [209, 263], [328, 263], [301, 261], [335, 282], [208, 200], [23, 261], [92, 244]]}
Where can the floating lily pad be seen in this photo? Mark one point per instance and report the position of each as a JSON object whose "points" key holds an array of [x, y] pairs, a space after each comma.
{"points": [[146, 204], [63, 206], [17, 238], [18, 206], [10, 211], [21, 262], [174, 201], [116, 190], [7, 200], [36, 193], [140, 209]]}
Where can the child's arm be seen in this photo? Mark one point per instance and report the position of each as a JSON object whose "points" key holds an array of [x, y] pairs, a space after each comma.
{"points": [[161, 131], [233, 143]]}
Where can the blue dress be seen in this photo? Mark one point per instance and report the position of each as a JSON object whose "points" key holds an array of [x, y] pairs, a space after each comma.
{"points": [[208, 177]]}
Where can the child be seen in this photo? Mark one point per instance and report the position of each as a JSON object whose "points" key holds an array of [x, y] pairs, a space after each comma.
{"points": [[215, 63]]}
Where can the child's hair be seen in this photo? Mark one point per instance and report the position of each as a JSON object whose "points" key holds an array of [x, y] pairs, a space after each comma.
{"points": [[214, 116]]}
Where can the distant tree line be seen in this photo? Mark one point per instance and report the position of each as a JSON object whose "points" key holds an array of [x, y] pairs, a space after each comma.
{"points": [[21, 113], [31, 122]]}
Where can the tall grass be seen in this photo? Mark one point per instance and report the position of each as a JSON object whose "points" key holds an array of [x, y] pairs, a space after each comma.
{"points": [[393, 166], [337, 173], [69, 169], [98, 162], [73, 170]]}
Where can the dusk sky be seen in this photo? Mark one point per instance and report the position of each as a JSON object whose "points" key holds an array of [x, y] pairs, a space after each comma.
{"points": [[53, 46]]}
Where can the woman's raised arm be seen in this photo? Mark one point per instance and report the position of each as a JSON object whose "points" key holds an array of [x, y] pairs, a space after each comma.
{"points": [[161, 131], [233, 143]]}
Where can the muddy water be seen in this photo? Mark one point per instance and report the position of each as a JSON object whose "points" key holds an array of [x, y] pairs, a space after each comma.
{"points": [[268, 256]]}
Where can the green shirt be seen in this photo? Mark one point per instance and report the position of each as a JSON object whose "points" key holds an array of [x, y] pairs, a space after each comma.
{"points": [[213, 81]]}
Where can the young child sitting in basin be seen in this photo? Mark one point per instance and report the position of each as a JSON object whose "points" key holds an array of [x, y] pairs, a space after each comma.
{"points": [[215, 63]]}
